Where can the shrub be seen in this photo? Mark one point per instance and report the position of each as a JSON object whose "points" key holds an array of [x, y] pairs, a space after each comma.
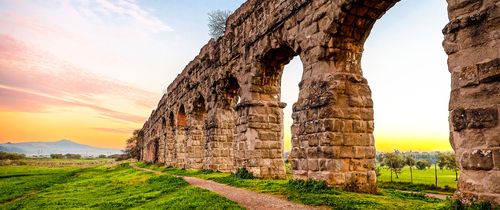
{"points": [[243, 173], [56, 156], [456, 204], [11, 156], [73, 156], [309, 186], [423, 164]]}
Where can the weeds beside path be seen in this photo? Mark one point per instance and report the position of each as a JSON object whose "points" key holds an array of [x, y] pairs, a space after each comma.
{"points": [[246, 198]]}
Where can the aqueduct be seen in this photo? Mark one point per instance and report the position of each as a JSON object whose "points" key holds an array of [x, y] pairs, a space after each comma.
{"points": [[224, 112]]}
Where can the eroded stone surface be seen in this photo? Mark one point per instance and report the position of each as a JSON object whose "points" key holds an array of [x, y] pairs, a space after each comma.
{"points": [[224, 112]]}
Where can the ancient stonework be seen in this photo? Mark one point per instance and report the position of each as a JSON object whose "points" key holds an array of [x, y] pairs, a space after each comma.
{"points": [[224, 112]]}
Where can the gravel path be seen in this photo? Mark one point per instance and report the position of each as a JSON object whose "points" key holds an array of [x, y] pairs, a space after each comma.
{"points": [[245, 198]]}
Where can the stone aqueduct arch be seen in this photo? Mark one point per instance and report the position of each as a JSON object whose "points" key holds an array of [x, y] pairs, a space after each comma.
{"points": [[224, 112]]}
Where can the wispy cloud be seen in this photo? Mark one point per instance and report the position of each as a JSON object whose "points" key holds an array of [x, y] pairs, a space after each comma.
{"points": [[115, 130], [33, 81], [128, 9]]}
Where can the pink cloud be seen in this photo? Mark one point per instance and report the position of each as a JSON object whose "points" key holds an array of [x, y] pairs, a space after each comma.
{"points": [[32, 80]]}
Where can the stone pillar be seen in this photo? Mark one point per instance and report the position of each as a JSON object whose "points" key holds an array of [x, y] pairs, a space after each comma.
{"points": [[219, 140], [195, 144], [472, 44], [259, 142], [333, 123]]}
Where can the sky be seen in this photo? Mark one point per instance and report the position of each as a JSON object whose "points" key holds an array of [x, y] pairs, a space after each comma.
{"points": [[93, 70]]}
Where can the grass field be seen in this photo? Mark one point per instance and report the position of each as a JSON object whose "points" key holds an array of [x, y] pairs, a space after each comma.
{"points": [[314, 195], [105, 184], [101, 187], [445, 177]]}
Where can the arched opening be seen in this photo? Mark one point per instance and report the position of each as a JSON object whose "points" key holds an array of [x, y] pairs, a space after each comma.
{"points": [[345, 117], [181, 117], [411, 92], [162, 145], [221, 124], [170, 153], [290, 80], [260, 137], [156, 150], [181, 138], [196, 135]]}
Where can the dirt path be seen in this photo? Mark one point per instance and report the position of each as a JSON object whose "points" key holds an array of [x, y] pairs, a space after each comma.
{"points": [[245, 198]]}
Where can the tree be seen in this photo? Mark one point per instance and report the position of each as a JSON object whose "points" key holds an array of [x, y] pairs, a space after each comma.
{"points": [[423, 164], [56, 156], [73, 156], [394, 162], [410, 161], [442, 160], [452, 164], [11, 156], [217, 22], [448, 161], [133, 149]]}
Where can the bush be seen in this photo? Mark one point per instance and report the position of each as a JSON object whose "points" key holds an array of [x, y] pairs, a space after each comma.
{"points": [[456, 204], [11, 156], [72, 156], [119, 157], [56, 156], [102, 156], [413, 187], [423, 164], [309, 186], [243, 173]]}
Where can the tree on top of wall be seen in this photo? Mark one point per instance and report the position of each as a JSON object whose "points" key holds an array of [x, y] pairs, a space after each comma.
{"points": [[217, 22]]}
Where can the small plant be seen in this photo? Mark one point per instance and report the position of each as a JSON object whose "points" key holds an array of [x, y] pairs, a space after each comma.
{"points": [[243, 173], [378, 171], [458, 205]]}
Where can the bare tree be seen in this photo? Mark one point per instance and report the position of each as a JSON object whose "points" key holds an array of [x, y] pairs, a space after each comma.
{"points": [[217, 22]]}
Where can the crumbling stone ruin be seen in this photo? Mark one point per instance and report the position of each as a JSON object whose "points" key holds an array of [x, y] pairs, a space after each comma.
{"points": [[223, 112]]}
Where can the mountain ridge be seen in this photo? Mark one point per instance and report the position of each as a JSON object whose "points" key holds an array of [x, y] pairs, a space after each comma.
{"points": [[63, 146]]}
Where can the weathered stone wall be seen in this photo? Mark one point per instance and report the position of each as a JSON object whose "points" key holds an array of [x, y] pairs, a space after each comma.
{"points": [[472, 42], [224, 111]]}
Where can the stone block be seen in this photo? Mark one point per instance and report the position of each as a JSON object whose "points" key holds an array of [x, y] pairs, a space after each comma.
{"points": [[477, 160], [489, 71], [482, 118]]}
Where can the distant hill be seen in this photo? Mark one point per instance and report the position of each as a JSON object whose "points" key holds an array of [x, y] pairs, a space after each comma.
{"points": [[59, 147]]}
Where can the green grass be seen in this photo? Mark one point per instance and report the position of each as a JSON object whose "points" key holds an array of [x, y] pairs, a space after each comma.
{"points": [[104, 187], [445, 177], [315, 193], [16, 181]]}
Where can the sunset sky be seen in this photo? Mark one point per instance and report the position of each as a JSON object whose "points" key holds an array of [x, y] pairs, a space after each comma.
{"points": [[93, 70]]}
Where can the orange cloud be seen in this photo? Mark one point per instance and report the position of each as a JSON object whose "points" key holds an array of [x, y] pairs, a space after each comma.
{"points": [[34, 82]]}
